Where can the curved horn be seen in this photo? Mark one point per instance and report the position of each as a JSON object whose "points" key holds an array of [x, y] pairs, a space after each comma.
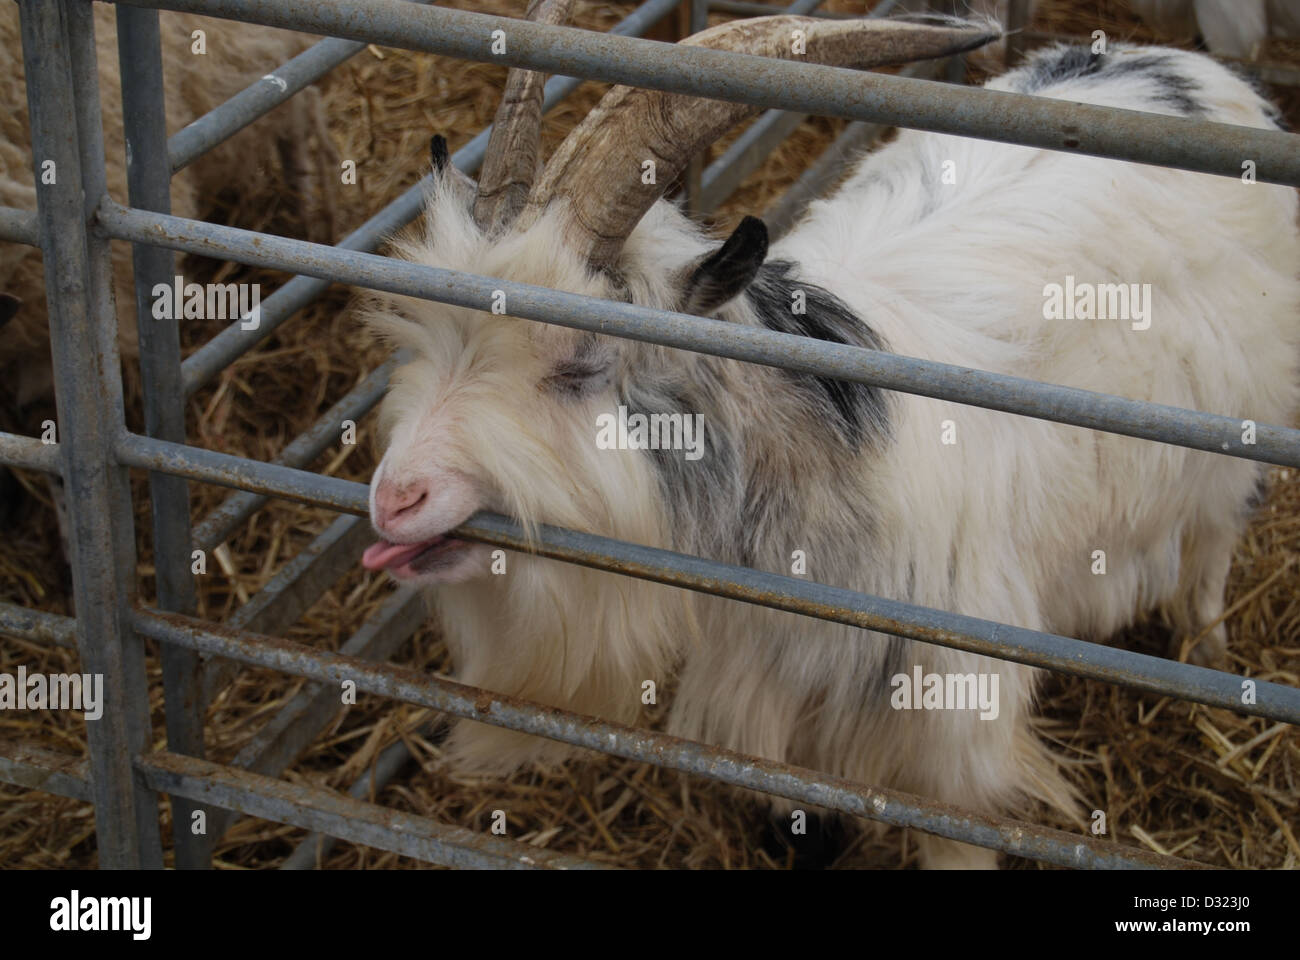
{"points": [[511, 161], [598, 167]]}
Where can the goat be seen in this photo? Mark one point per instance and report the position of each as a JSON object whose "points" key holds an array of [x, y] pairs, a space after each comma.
{"points": [[937, 247], [236, 55]]}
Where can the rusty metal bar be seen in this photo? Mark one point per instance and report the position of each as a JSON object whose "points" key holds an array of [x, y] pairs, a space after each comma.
{"points": [[365, 823], [19, 451], [715, 763], [37, 625], [294, 588], [35, 768], [291, 731], [312, 850]]}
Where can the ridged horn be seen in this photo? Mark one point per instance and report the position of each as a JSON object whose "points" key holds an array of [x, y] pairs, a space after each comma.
{"points": [[511, 162], [598, 167]]}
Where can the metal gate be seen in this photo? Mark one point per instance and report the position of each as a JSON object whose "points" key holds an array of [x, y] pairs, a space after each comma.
{"points": [[74, 223]]}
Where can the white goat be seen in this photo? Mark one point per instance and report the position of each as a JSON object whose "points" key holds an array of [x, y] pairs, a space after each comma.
{"points": [[937, 247]]}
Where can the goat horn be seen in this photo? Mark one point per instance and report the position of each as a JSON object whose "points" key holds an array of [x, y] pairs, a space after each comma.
{"points": [[511, 161], [598, 168]]}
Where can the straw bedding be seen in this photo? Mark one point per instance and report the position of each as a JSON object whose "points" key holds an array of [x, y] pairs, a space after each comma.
{"points": [[1172, 777]]}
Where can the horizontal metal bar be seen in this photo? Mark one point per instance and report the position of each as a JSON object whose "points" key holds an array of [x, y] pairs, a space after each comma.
{"points": [[291, 731], [38, 625], [218, 525], [315, 847], [37, 769], [294, 588], [716, 763], [19, 226], [225, 470], [222, 350], [30, 452], [795, 595], [1079, 128], [809, 598], [1082, 408], [317, 809]]}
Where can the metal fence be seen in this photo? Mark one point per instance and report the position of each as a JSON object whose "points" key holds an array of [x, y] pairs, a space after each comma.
{"points": [[73, 225]]}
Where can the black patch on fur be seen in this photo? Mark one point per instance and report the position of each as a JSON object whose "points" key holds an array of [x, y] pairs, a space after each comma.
{"points": [[725, 273], [858, 411], [439, 154], [704, 496], [1073, 63]]}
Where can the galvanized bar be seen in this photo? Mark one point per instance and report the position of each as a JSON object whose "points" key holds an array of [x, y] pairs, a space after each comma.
{"points": [[794, 595], [693, 175], [29, 452], [259, 98], [64, 118], [148, 174], [225, 470], [37, 625], [291, 731], [315, 847], [716, 763], [35, 768], [820, 175], [218, 353], [19, 226], [1082, 408], [294, 588], [218, 525], [749, 152], [364, 823], [1078, 128]]}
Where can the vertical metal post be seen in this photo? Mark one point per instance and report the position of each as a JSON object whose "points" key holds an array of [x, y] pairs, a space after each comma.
{"points": [[693, 183], [149, 188], [89, 398], [1017, 20]]}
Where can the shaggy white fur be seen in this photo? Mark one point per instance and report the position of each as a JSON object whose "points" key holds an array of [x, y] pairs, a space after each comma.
{"points": [[1004, 523]]}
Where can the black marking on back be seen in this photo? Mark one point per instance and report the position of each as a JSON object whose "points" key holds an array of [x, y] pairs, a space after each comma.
{"points": [[857, 410], [1074, 63]]}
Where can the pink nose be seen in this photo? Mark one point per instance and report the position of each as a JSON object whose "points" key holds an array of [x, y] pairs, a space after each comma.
{"points": [[392, 501]]}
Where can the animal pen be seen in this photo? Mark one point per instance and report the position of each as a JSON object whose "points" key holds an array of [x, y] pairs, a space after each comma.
{"points": [[74, 223]]}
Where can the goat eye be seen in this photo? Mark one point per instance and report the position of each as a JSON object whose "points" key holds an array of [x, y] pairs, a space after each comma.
{"points": [[575, 379]]}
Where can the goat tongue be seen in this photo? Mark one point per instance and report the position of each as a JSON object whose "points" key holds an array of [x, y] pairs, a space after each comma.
{"points": [[385, 556]]}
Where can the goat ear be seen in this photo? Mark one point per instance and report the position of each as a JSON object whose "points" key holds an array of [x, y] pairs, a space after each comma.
{"points": [[9, 305], [727, 271], [444, 171]]}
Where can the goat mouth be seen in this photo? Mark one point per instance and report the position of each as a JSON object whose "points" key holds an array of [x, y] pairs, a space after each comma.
{"points": [[411, 559]]}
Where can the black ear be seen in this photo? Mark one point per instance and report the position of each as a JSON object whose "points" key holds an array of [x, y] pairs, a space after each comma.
{"points": [[439, 154], [9, 305], [727, 271]]}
